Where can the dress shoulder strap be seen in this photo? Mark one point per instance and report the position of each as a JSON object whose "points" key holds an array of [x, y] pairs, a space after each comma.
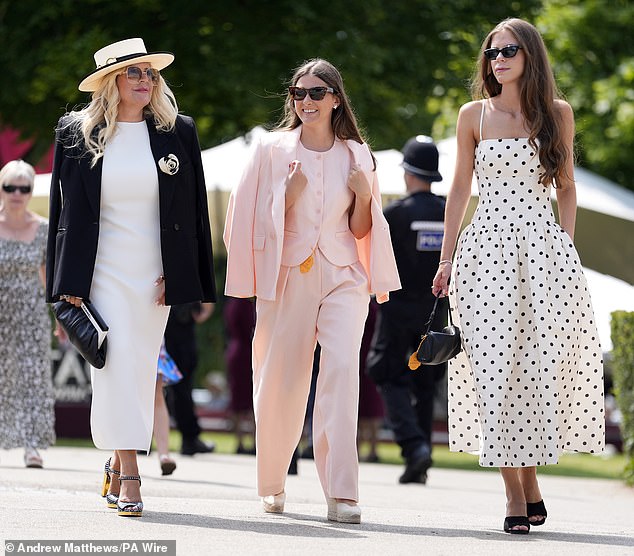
{"points": [[482, 117]]}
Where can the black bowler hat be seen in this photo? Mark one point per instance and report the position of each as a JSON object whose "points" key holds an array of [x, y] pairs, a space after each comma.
{"points": [[420, 157]]}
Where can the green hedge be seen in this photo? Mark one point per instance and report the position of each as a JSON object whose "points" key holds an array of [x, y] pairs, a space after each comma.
{"points": [[623, 369]]}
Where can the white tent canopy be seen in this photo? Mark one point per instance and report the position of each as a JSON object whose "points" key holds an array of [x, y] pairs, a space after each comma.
{"points": [[224, 164], [608, 294]]}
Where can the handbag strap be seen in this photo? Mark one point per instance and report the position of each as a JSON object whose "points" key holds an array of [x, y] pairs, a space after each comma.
{"points": [[433, 314]]}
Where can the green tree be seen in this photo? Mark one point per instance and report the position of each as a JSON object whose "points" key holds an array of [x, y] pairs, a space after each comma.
{"points": [[404, 62], [593, 58]]}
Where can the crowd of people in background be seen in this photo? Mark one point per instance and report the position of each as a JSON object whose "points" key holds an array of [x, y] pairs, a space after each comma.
{"points": [[327, 292]]}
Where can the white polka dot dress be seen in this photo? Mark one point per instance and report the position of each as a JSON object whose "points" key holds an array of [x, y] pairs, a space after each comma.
{"points": [[529, 383]]}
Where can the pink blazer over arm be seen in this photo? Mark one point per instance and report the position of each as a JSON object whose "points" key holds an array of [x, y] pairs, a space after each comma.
{"points": [[238, 232], [375, 249]]}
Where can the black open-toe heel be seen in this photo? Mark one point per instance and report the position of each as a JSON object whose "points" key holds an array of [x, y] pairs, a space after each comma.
{"points": [[534, 509], [111, 499], [515, 521], [130, 509]]}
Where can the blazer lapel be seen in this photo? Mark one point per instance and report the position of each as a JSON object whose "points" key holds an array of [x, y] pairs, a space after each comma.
{"points": [[284, 152], [162, 144], [92, 181], [361, 156]]}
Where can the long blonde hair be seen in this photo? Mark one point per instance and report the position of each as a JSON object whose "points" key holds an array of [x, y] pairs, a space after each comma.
{"points": [[538, 92], [95, 124]]}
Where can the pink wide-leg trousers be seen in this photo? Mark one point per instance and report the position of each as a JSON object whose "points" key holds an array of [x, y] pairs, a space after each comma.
{"points": [[328, 304]]}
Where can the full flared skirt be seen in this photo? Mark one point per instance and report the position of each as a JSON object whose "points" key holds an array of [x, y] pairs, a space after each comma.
{"points": [[529, 383]]}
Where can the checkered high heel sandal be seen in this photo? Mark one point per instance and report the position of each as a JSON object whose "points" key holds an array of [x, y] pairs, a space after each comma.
{"points": [[111, 499], [130, 509]]}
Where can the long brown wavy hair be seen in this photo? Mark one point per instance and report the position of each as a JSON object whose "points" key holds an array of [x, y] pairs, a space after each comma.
{"points": [[344, 122], [538, 92]]}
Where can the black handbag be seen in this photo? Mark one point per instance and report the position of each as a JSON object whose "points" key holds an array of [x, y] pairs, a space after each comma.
{"points": [[436, 346], [86, 330]]}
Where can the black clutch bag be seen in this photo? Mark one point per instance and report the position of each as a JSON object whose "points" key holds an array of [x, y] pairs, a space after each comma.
{"points": [[86, 330], [436, 346]]}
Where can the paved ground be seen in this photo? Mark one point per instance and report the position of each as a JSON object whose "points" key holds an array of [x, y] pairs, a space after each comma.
{"points": [[210, 506]]}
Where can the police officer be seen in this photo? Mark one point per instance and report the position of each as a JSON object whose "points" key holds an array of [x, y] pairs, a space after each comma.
{"points": [[416, 227]]}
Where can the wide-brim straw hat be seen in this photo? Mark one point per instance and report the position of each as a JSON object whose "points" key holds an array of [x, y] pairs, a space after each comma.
{"points": [[120, 55]]}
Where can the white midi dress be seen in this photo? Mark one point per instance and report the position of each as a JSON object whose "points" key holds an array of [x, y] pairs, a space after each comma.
{"points": [[123, 291], [529, 383]]}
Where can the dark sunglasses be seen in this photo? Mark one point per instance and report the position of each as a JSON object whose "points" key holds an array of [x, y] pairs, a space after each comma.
{"points": [[507, 51], [316, 93], [24, 189], [135, 74]]}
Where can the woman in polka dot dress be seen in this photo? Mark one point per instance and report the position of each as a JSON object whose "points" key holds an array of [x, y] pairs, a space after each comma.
{"points": [[529, 383]]}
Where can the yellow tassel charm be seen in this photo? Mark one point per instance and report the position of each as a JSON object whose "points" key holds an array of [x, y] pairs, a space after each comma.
{"points": [[307, 264], [413, 362]]}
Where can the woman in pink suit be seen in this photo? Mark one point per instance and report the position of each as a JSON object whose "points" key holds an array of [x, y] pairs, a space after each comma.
{"points": [[306, 235]]}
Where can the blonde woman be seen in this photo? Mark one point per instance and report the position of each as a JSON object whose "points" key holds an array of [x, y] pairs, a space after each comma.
{"points": [[129, 229], [27, 409]]}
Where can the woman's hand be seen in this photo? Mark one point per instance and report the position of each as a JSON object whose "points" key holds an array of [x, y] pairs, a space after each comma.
{"points": [[358, 183], [76, 301], [440, 285], [160, 284], [295, 182]]}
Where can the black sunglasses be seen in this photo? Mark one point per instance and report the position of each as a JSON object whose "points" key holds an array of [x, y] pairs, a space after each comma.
{"points": [[24, 189], [507, 51], [135, 74], [316, 93]]}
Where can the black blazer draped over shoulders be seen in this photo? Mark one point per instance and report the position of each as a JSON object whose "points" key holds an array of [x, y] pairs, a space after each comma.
{"points": [[74, 212]]}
